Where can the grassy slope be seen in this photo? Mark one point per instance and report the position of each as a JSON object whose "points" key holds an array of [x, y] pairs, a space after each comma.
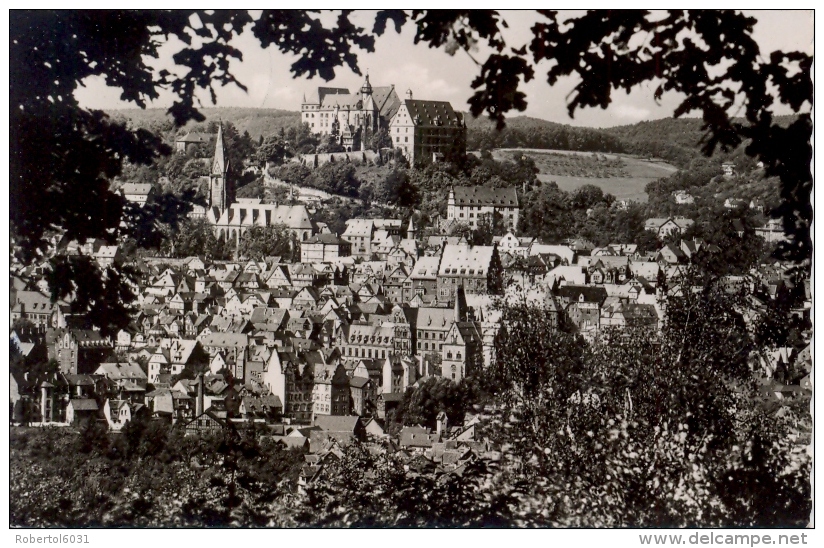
{"points": [[631, 187]]}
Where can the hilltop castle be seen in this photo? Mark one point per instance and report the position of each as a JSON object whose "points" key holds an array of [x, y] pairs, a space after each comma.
{"points": [[427, 130]]}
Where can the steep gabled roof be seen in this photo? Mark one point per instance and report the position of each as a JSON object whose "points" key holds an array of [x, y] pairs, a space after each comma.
{"points": [[592, 294], [432, 113], [485, 196]]}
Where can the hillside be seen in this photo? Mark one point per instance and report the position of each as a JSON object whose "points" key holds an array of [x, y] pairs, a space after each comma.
{"points": [[677, 140], [257, 121], [528, 132]]}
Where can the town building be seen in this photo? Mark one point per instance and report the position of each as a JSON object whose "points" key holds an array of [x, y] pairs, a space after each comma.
{"points": [[664, 227], [470, 204], [137, 193], [772, 231], [363, 233], [324, 248], [476, 268], [193, 139]]}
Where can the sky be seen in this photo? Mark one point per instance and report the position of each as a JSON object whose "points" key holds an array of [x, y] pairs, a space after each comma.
{"points": [[434, 74]]}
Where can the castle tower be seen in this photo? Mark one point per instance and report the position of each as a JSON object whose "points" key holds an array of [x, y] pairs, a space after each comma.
{"points": [[221, 194]]}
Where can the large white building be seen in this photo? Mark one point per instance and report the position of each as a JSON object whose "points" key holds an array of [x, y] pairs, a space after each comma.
{"points": [[427, 130], [351, 117], [469, 204]]}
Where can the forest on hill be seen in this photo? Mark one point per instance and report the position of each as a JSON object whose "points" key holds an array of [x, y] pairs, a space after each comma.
{"points": [[676, 140], [257, 121]]}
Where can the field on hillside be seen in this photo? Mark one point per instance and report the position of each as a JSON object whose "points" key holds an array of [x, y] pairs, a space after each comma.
{"points": [[623, 176]]}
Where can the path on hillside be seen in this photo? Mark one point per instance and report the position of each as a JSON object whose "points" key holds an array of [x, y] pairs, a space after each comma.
{"points": [[314, 194]]}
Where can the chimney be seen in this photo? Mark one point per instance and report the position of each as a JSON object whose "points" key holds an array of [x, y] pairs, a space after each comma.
{"points": [[199, 408]]}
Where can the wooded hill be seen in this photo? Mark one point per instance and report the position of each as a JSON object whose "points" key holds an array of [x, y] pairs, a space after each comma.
{"points": [[676, 140]]}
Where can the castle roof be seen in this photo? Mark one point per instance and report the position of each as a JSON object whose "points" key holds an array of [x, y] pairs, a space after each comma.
{"points": [[431, 113]]}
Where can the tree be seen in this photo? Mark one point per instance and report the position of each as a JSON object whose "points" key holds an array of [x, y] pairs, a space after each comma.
{"points": [[396, 189], [489, 226], [606, 434], [273, 149], [197, 237], [437, 394], [259, 242], [329, 143], [379, 140]]}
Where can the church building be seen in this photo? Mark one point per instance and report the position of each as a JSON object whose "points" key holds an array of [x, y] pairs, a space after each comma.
{"points": [[231, 217]]}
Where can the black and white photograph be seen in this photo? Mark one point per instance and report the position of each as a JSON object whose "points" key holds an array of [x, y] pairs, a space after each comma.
{"points": [[411, 268]]}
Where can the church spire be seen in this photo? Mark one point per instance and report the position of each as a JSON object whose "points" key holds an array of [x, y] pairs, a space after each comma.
{"points": [[219, 164], [411, 231], [220, 192]]}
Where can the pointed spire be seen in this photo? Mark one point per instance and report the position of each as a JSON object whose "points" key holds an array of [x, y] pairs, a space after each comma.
{"points": [[411, 231], [219, 164]]}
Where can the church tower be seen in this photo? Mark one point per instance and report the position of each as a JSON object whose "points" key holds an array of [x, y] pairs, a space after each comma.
{"points": [[366, 89], [411, 231], [221, 195]]}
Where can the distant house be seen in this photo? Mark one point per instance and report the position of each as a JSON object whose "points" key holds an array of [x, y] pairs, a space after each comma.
{"points": [[342, 429], [667, 226], [208, 421], [80, 350], [35, 307], [773, 231], [683, 197], [260, 407], [80, 410], [470, 204], [417, 438], [119, 413], [108, 255], [137, 193], [735, 203], [582, 304], [181, 143], [629, 314]]}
